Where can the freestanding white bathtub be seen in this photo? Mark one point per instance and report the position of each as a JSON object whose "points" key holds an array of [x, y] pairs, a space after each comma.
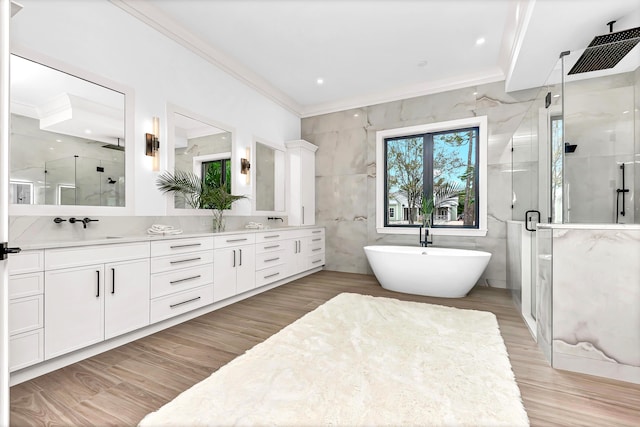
{"points": [[435, 272]]}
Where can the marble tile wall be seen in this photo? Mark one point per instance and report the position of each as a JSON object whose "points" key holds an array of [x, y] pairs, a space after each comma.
{"points": [[345, 171], [544, 287], [599, 118], [514, 260], [596, 309]]}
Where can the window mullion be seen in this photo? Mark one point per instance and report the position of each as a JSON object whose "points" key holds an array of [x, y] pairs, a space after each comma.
{"points": [[427, 167]]}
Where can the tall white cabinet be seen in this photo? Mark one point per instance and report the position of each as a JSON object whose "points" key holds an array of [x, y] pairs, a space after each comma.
{"points": [[301, 192]]}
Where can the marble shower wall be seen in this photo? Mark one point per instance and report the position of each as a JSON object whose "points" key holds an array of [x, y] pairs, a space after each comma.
{"points": [[346, 163], [599, 118], [596, 309]]}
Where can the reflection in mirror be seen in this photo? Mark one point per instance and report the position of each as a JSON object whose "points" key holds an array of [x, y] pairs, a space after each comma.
{"points": [[269, 178], [202, 149], [67, 139]]}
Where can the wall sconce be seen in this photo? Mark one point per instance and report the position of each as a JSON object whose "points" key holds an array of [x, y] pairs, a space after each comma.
{"points": [[153, 144], [245, 165]]}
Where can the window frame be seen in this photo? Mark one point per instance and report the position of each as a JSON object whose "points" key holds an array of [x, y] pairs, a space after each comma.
{"points": [[451, 125]]}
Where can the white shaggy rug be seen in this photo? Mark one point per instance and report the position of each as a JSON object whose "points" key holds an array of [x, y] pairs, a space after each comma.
{"points": [[362, 360]]}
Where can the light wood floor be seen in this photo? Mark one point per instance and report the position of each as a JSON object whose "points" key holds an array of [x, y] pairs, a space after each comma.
{"points": [[121, 386]]}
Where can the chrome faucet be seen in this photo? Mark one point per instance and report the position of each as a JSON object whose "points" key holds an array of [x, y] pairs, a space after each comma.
{"points": [[426, 242]]}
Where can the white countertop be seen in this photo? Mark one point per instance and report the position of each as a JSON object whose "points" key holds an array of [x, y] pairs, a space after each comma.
{"points": [[114, 238]]}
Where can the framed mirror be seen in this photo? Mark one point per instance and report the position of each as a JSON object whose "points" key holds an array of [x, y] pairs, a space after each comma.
{"points": [[268, 171], [68, 145], [202, 146]]}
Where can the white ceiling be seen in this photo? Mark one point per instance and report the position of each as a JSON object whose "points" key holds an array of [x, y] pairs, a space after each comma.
{"points": [[372, 51]]}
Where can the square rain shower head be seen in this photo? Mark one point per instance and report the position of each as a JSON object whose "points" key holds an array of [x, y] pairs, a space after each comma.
{"points": [[606, 51]]}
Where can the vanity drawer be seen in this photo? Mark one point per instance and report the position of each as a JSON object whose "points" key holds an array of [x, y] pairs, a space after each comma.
{"points": [[181, 246], [233, 240], [23, 285], [180, 280], [26, 349], [315, 244], [98, 254], [25, 314], [275, 235], [272, 274], [270, 259], [270, 246], [314, 261], [176, 262], [181, 302], [314, 232], [26, 262]]}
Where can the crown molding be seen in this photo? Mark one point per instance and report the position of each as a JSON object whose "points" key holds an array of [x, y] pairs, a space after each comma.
{"points": [[406, 92], [144, 11]]}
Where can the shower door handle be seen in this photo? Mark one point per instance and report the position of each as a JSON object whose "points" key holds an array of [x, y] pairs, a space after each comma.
{"points": [[528, 219]]}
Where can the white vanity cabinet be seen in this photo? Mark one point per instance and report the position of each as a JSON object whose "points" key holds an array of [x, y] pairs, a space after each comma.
{"points": [[301, 195], [307, 250], [181, 276], [273, 256], [234, 261], [26, 309], [83, 304]]}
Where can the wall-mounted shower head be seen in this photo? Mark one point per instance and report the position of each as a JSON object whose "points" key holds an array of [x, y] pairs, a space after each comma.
{"points": [[570, 148], [111, 181], [607, 50]]}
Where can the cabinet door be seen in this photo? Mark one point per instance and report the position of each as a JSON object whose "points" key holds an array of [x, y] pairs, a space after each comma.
{"points": [[74, 309], [126, 298], [246, 269], [307, 187], [225, 262]]}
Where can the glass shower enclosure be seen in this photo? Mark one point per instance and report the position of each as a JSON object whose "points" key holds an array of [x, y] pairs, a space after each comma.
{"points": [[576, 153]]}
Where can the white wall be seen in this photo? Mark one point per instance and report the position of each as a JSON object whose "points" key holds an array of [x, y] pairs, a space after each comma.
{"points": [[98, 37]]}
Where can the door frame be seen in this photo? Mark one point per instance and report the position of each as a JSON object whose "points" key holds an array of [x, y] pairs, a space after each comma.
{"points": [[5, 17]]}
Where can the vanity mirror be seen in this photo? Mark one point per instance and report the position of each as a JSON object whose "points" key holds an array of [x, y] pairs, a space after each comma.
{"points": [[67, 144], [269, 178], [201, 147]]}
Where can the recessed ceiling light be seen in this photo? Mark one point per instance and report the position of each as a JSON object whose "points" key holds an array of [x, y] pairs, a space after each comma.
{"points": [[357, 115], [58, 140], [87, 131], [475, 93], [625, 112], [480, 41], [320, 81], [556, 95]]}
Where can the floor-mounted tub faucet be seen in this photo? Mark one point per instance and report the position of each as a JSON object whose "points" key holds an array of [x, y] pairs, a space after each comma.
{"points": [[426, 242]]}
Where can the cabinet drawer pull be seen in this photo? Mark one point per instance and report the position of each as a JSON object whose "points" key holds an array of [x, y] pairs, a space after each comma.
{"points": [[316, 231], [272, 236], [316, 249], [113, 280], [184, 302], [190, 245], [173, 282], [316, 261], [317, 240], [236, 240], [272, 259], [271, 275], [234, 257], [98, 284], [272, 246], [185, 260]]}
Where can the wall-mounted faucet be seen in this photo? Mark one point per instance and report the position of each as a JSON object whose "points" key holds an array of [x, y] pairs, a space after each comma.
{"points": [[275, 218], [58, 220], [84, 221]]}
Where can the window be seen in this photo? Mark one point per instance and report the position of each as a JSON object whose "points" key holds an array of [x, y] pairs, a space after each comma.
{"points": [[440, 166], [217, 173]]}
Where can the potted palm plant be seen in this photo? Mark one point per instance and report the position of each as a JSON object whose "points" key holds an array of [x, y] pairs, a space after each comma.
{"points": [[198, 194]]}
